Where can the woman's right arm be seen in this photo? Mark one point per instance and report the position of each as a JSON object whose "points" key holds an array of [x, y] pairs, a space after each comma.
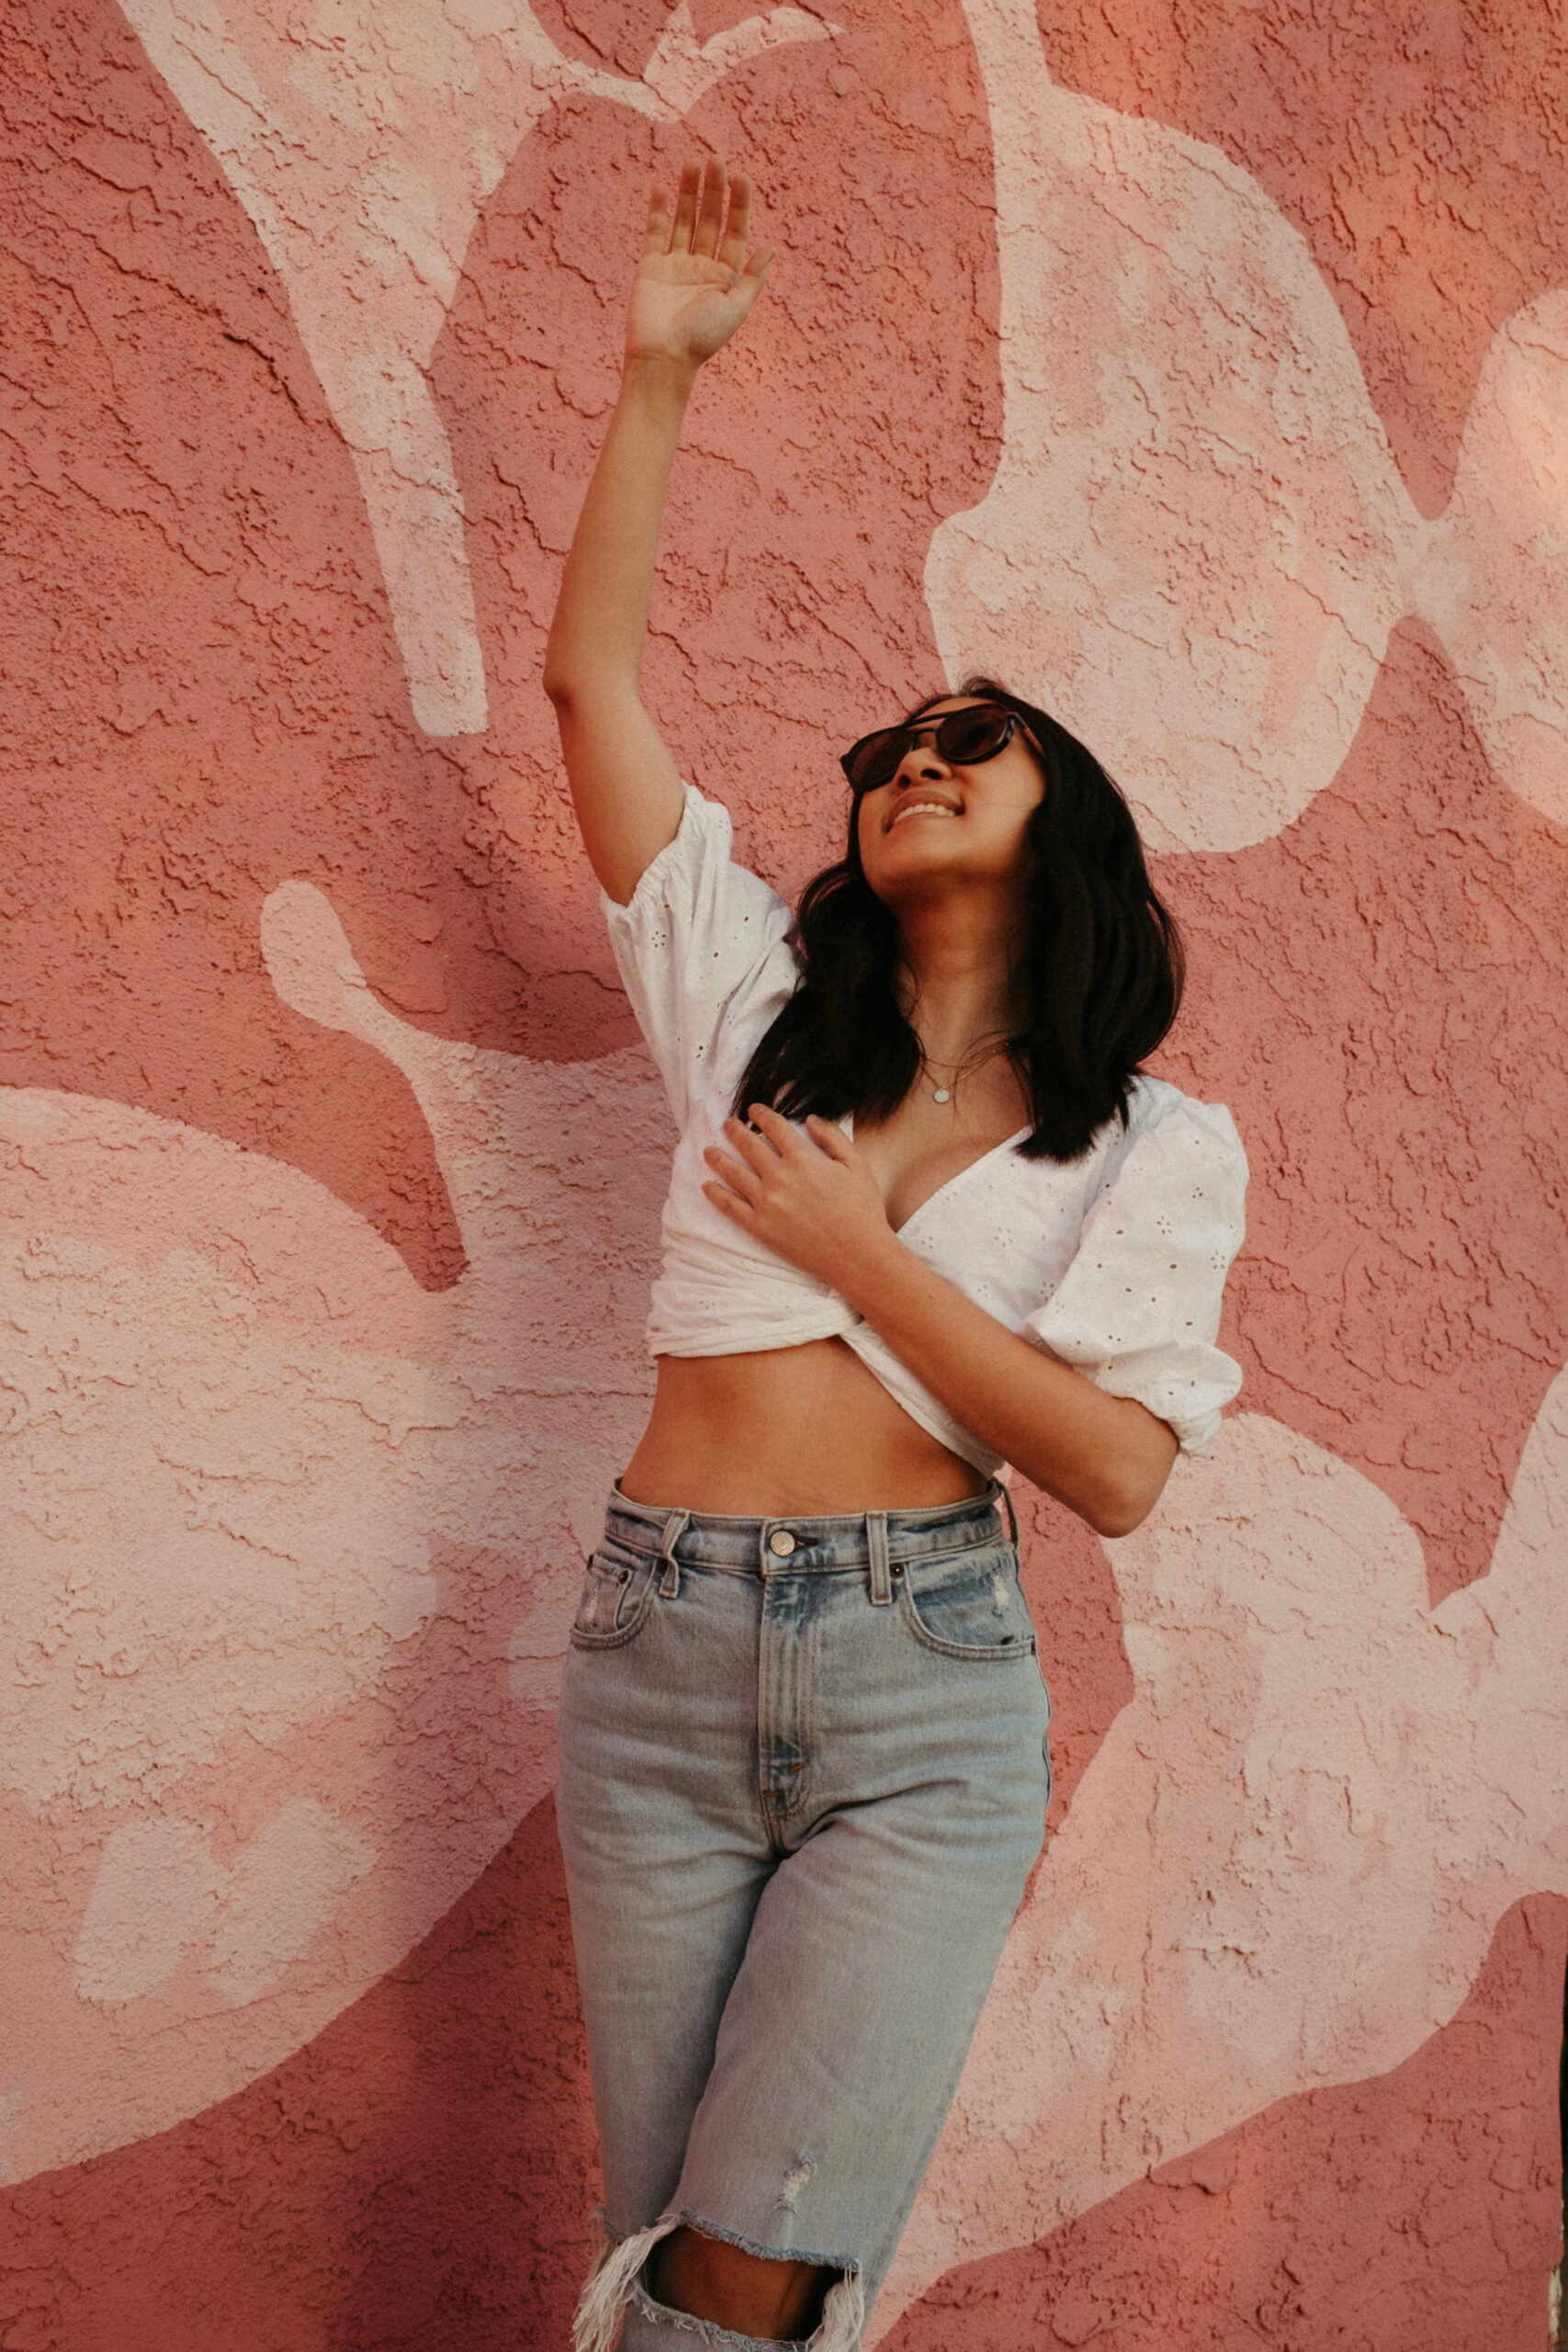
{"points": [[693, 286]]}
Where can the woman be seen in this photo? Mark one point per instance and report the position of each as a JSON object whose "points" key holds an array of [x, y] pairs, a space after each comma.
{"points": [[920, 1183]]}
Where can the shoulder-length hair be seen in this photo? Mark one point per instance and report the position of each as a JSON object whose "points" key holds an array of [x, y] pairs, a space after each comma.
{"points": [[1099, 961]]}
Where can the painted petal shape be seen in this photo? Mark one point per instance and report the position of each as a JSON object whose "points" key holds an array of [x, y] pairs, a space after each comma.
{"points": [[363, 145], [1197, 540]]}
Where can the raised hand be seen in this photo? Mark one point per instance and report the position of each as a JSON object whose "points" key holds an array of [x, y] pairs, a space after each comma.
{"points": [[694, 284], [695, 281]]}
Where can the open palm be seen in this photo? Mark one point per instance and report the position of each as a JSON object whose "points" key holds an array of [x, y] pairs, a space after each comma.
{"points": [[695, 282]]}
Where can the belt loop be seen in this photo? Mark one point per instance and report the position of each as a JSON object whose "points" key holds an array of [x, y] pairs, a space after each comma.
{"points": [[876, 1550], [1012, 1515], [675, 1526]]}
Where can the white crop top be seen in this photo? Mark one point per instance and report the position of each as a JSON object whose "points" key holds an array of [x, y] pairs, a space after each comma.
{"points": [[1115, 1264]]}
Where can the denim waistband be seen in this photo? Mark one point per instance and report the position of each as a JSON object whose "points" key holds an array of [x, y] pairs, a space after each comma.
{"points": [[796, 1545]]}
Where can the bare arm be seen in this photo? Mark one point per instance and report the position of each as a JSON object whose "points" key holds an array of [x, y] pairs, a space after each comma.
{"points": [[1106, 1457], [816, 1201], [694, 284]]}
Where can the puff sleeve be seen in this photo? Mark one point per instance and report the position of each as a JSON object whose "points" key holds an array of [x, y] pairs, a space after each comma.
{"points": [[703, 948], [1138, 1310]]}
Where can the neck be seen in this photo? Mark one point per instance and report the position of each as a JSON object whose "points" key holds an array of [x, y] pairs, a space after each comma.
{"points": [[961, 984]]}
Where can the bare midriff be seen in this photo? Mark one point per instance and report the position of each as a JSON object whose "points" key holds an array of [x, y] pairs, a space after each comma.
{"points": [[803, 1431]]}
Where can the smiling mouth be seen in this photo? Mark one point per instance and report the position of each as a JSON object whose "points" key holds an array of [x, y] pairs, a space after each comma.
{"points": [[921, 808]]}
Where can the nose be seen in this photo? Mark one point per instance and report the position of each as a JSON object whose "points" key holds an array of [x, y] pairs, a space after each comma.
{"points": [[921, 758]]}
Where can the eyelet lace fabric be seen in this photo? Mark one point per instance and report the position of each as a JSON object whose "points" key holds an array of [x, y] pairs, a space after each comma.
{"points": [[1116, 1265]]}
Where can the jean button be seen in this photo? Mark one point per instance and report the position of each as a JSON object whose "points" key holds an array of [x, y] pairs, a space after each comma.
{"points": [[781, 1542]]}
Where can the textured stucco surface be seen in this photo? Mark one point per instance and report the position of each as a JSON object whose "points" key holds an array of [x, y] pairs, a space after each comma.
{"points": [[1206, 372]]}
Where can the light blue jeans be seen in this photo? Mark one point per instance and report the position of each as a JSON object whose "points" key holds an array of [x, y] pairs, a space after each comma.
{"points": [[803, 1781]]}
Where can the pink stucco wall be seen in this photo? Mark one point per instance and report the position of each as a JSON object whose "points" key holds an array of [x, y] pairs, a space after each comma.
{"points": [[1205, 370]]}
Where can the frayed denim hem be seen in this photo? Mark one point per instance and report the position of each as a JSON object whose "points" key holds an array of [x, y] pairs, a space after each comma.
{"points": [[607, 2290], [615, 2287]]}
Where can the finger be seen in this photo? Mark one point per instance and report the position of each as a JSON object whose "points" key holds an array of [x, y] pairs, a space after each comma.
{"points": [[738, 227], [830, 1139], [657, 236], [737, 1211], [754, 1149], [739, 1178], [687, 205], [710, 212], [746, 288], [776, 1131]]}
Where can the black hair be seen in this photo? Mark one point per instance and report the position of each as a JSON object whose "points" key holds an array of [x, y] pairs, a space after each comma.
{"points": [[1099, 966]]}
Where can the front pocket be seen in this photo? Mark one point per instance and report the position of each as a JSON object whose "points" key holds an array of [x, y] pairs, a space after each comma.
{"points": [[968, 1605], [617, 1592]]}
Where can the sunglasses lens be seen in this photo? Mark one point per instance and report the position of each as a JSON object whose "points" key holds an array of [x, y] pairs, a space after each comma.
{"points": [[970, 737], [874, 758]]}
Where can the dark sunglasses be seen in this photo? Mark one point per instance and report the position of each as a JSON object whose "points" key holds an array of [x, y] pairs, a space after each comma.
{"points": [[964, 739]]}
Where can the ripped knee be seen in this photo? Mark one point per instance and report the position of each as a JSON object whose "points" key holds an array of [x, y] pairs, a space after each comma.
{"points": [[753, 2292], [686, 2274]]}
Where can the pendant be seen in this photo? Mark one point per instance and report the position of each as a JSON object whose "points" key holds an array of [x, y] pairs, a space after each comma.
{"points": [[941, 1095]]}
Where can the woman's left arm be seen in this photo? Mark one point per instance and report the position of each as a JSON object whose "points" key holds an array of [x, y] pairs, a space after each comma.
{"points": [[814, 1200]]}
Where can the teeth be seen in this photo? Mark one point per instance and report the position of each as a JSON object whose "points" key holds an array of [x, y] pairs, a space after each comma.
{"points": [[922, 808]]}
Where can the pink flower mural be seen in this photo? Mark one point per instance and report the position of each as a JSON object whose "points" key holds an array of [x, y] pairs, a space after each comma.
{"points": [[332, 1167]]}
